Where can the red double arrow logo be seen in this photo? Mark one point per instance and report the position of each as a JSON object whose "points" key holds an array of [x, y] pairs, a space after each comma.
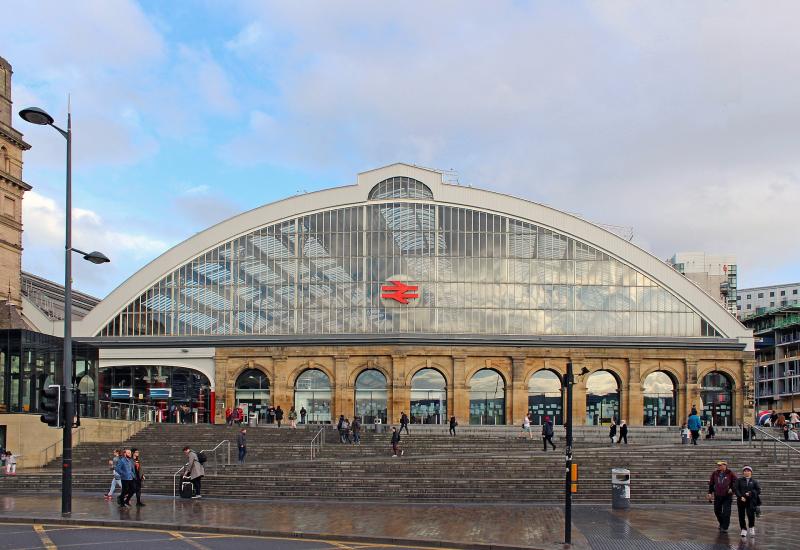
{"points": [[399, 292]]}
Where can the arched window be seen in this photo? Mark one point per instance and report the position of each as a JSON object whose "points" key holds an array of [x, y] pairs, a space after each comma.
{"points": [[716, 392], [252, 393], [4, 160], [312, 394], [660, 400], [371, 397], [400, 188], [428, 397], [487, 398], [544, 397], [602, 398]]}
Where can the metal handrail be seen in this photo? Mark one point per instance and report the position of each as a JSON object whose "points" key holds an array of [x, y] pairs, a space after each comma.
{"points": [[77, 434], [141, 413], [317, 442], [766, 436], [216, 463]]}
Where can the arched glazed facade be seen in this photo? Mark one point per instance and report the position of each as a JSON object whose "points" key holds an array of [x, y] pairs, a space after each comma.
{"points": [[404, 266]]}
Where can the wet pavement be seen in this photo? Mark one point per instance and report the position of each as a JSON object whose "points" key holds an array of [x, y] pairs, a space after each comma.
{"points": [[449, 525]]}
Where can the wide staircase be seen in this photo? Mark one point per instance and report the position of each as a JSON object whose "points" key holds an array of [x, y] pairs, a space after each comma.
{"points": [[481, 464]]}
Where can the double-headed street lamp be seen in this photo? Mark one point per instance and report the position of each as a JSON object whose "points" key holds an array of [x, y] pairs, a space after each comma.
{"points": [[34, 115]]}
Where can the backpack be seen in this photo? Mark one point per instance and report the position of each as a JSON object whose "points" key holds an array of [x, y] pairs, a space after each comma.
{"points": [[201, 457]]}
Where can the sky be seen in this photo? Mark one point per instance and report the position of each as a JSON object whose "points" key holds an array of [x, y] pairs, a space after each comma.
{"points": [[680, 119]]}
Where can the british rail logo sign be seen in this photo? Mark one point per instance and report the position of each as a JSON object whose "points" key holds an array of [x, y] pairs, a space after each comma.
{"points": [[399, 291]]}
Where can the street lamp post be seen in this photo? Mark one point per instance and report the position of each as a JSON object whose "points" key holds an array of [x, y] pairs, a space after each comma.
{"points": [[569, 381], [34, 115]]}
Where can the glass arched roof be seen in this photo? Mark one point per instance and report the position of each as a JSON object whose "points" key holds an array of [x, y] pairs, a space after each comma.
{"points": [[475, 272]]}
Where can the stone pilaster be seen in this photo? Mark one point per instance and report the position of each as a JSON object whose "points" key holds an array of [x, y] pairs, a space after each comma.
{"points": [[280, 394], [745, 407], [578, 392], [692, 390], [342, 398], [634, 401], [519, 390], [460, 390], [399, 394]]}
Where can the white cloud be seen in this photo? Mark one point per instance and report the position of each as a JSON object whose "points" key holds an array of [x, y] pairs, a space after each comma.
{"points": [[248, 37], [674, 119], [43, 237]]}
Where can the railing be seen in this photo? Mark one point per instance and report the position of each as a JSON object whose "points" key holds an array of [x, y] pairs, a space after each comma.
{"points": [[57, 447], [215, 450], [767, 438], [127, 411], [317, 443]]}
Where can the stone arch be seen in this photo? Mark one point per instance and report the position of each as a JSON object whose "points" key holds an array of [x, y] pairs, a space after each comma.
{"points": [[604, 410], [503, 370], [536, 369], [369, 365], [309, 365], [234, 375], [427, 365], [661, 408], [735, 377], [677, 377]]}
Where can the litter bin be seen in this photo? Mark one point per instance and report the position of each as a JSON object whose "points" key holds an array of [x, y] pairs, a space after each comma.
{"points": [[620, 488]]}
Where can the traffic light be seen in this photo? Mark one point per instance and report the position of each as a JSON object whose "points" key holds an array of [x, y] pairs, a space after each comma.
{"points": [[50, 405]]}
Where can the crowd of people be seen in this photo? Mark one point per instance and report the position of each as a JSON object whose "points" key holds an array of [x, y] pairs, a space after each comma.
{"points": [[273, 415]]}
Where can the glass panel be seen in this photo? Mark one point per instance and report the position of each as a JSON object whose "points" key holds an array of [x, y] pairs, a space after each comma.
{"points": [[602, 399], [371, 397], [312, 395], [716, 392], [660, 400], [544, 397], [428, 398], [487, 398]]}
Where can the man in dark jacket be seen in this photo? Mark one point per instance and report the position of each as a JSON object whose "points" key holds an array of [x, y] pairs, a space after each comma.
{"points": [[547, 433], [403, 422], [138, 476], [720, 492], [748, 497], [241, 444], [396, 443], [612, 433], [623, 433], [279, 415]]}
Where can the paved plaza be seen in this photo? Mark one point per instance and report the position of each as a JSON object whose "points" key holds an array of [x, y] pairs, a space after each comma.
{"points": [[403, 525]]}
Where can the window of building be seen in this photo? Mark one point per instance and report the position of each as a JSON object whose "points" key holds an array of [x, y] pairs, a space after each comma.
{"points": [[400, 188], [749, 306], [783, 293], [739, 307], [772, 304], [749, 296], [772, 294], [738, 298], [794, 291], [760, 294]]}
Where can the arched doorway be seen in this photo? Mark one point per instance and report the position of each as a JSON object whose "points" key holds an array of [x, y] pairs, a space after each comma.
{"points": [[660, 400], [602, 398], [716, 392], [544, 397], [372, 397], [312, 392], [428, 397], [487, 398], [252, 394]]}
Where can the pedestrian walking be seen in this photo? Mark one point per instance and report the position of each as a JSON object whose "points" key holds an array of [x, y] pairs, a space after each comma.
{"points": [[356, 429], [116, 481], [124, 468], [623, 433], [403, 422], [138, 477], [11, 463], [238, 416], [241, 444], [229, 416], [270, 415], [526, 427], [293, 417], [612, 433], [694, 425], [339, 428], [194, 470], [303, 414], [794, 418], [396, 450], [748, 499], [720, 492], [684, 435], [711, 432], [547, 433], [453, 425], [793, 435], [279, 415], [346, 431]]}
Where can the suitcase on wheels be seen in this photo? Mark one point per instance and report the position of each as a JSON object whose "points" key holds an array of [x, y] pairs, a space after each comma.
{"points": [[187, 488]]}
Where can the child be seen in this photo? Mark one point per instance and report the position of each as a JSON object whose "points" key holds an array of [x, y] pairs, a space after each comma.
{"points": [[684, 435]]}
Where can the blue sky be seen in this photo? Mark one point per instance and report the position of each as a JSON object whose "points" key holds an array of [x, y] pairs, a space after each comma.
{"points": [[679, 120]]}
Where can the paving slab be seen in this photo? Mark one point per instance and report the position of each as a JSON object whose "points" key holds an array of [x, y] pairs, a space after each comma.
{"points": [[483, 526]]}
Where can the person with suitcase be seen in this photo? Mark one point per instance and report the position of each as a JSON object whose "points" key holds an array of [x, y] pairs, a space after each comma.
{"points": [[193, 470]]}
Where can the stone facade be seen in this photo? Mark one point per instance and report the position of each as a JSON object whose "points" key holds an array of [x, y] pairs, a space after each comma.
{"points": [[12, 189], [282, 366]]}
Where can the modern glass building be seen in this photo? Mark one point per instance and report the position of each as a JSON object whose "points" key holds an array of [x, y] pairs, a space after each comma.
{"points": [[404, 293]]}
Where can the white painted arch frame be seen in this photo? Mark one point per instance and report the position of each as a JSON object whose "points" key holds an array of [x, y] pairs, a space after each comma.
{"points": [[444, 194]]}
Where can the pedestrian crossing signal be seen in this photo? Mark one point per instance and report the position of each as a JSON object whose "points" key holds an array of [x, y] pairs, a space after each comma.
{"points": [[50, 405]]}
